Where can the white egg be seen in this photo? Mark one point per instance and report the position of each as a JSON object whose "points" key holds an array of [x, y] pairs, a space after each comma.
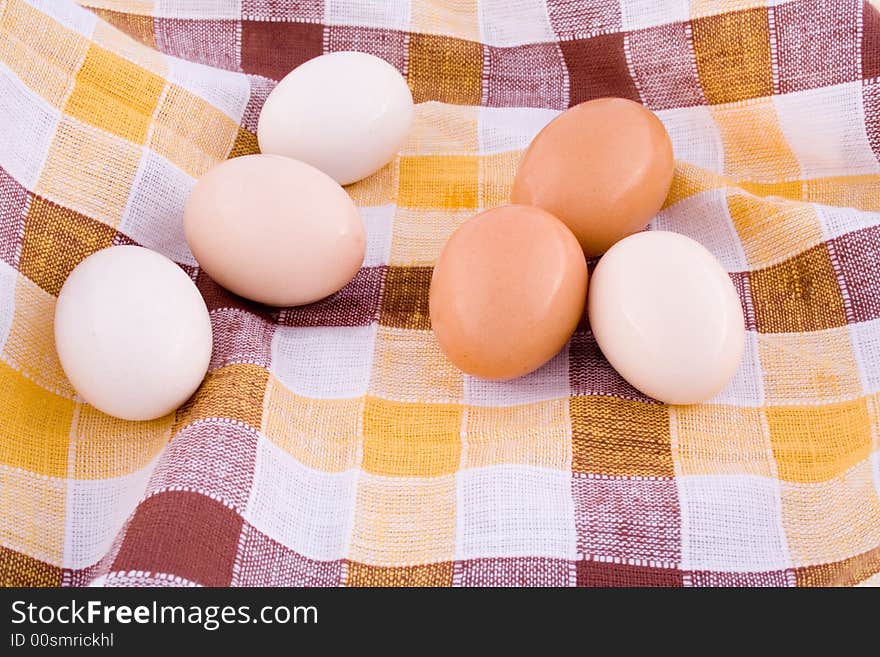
{"points": [[345, 113], [133, 333], [667, 317]]}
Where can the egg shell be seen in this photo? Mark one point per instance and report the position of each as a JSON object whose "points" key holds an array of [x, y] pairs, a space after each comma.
{"points": [[346, 113], [507, 292], [667, 317], [132, 333], [274, 230], [603, 167]]}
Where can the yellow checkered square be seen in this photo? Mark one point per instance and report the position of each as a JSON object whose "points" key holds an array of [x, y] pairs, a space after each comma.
{"points": [[718, 439], [190, 132], [772, 230], [832, 520], [767, 159], [442, 129], [409, 366], [419, 236], [808, 367], [536, 434], [89, 171], [105, 447], [30, 347], [35, 426], [33, 509], [47, 64], [115, 95], [873, 404], [813, 444], [439, 182], [411, 440], [322, 434], [379, 189], [496, 178], [401, 522]]}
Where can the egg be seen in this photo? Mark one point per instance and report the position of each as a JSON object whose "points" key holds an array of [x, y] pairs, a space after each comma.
{"points": [[274, 230], [507, 292], [132, 332], [346, 113], [667, 317], [603, 167]]}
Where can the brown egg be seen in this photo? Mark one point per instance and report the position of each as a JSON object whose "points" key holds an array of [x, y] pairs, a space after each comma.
{"points": [[507, 292], [603, 167]]}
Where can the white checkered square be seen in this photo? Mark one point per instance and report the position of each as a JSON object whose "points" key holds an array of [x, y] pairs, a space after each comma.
{"points": [[96, 510], [639, 14], [378, 221], [324, 362], [202, 9], [865, 338], [68, 14], [8, 276], [27, 125], [153, 216], [544, 384], [515, 511], [502, 129], [514, 22], [731, 523], [746, 388], [227, 91], [837, 221], [695, 137], [832, 520], [705, 218], [825, 129], [308, 511], [389, 14], [875, 469]]}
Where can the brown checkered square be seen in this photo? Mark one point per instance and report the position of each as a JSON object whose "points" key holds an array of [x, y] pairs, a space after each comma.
{"points": [[857, 256], [389, 45], [357, 304], [531, 75], [597, 67], [817, 43], [572, 19], [55, 240], [274, 48], [664, 67], [870, 41], [13, 207], [182, 533], [210, 42]]}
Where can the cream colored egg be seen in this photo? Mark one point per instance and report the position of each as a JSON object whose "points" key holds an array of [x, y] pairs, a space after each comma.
{"points": [[346, 113], [132, 332], [667, 317], [274, 230]]}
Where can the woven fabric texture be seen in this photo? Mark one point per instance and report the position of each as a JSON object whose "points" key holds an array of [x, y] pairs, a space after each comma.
{"points": [[333, 444]]}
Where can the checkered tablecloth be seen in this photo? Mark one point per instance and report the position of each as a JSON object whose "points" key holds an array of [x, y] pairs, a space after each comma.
{"points": [[333, 444]]}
